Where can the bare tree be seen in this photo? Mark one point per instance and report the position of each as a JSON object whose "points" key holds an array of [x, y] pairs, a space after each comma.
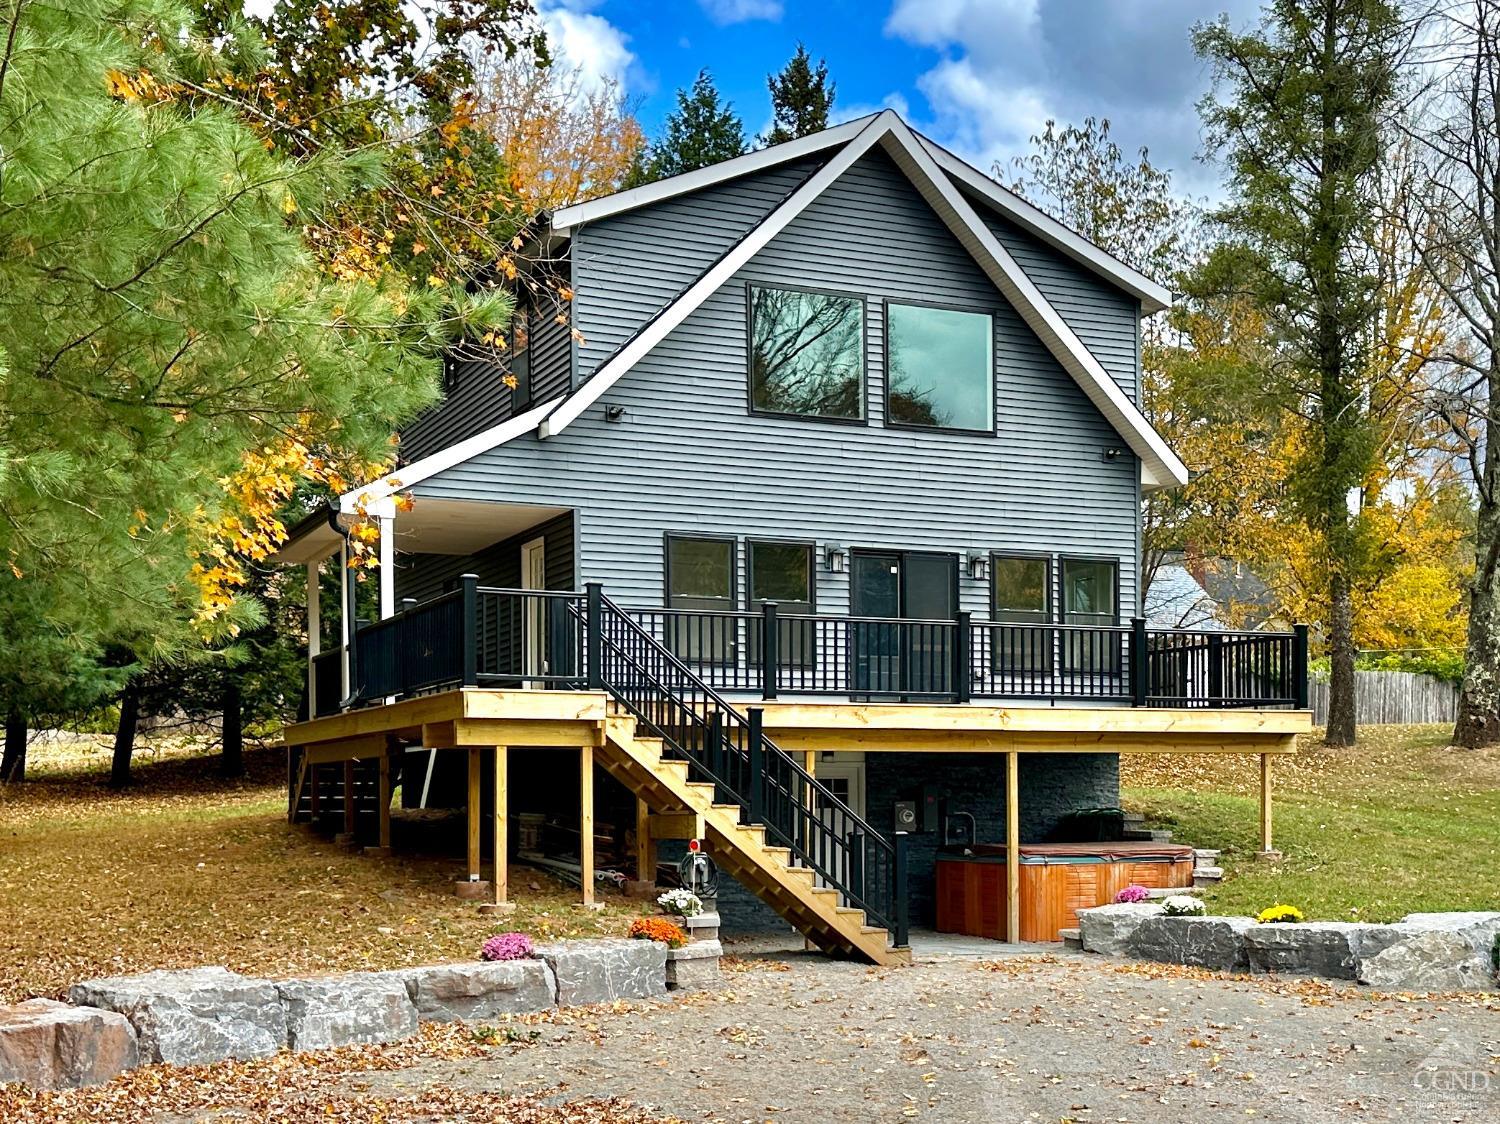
{"points": [[1460, 214]]}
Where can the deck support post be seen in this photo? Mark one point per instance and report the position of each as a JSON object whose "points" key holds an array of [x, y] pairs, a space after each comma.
{"points": [[1012, 846], [347, 835], [1267, 850], [586, 822], [383, 798], [644, 884], [473, 810], [501, 823]]}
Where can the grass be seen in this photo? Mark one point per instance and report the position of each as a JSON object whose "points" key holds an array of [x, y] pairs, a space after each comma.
{"points": [[184, 869], [1401, 823]]}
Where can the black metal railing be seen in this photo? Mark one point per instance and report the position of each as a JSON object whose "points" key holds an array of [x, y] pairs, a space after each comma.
{"points": [[479, 636], [729, 749]]}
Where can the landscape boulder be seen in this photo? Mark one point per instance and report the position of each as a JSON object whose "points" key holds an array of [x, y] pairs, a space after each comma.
{"points": [[192, 1016], [1201, 942], [346, 1010], [1105, 928], [1312, 948], [481, 990], [600, 971], [695, 966], [1436, 952], [49, 1045]]}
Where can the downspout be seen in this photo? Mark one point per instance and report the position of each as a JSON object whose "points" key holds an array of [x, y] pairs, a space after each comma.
{"points": [[349, 598]]}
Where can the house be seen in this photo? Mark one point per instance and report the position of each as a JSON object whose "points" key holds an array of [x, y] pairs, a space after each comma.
{"points": [[810, 528]]}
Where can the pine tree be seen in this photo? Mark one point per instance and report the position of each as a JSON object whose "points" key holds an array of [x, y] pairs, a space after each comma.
{"points": [[702, 130], [1301, 114], [801, 98]]}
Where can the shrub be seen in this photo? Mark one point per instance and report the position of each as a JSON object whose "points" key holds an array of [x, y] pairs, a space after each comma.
{"points": [[682, 903], [1132, 893], [1279, 915], [508, 946], [1181, 905], [658, 929]]}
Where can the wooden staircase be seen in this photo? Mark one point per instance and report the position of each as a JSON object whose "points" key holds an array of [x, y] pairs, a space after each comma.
{"points": [[637, 760]]}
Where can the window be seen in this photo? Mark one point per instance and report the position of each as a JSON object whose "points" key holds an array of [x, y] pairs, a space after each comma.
{"points": [[806, 353], [520, 359], [1021, 594], [1090, 596], [700, 580], [783, 572], [940, 368]]}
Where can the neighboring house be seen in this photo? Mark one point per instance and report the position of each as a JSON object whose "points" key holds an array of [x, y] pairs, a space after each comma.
{"points": [[850, 436], [1176, 599]]}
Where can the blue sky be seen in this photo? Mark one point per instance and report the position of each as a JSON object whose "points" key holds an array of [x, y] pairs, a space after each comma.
{"points": [[977, 75]]}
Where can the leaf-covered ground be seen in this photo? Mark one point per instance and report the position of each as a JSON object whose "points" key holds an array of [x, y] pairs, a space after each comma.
{"points": [[184, 869], [1401, 823], [1062, 1037]]}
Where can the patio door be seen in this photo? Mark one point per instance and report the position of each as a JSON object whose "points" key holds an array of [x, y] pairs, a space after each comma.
{"points": [[534, 617], [888, 658]]}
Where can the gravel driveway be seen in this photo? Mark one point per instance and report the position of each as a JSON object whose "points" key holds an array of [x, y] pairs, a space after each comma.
{"points": [[1050, 1038]]}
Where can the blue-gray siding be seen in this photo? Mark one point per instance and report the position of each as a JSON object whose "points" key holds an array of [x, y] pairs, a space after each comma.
{"points": [[688, 457]]}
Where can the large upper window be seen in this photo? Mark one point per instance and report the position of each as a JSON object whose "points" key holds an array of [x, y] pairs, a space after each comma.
{"points": [[806, 353], [1090, 596], [700, 576], [940, 366]]}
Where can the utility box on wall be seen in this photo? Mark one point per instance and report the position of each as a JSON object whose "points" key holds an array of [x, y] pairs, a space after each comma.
{"points": [[905, 817]]}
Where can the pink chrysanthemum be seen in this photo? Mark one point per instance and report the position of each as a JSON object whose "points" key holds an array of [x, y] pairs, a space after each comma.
{"points": [[508, 946]]}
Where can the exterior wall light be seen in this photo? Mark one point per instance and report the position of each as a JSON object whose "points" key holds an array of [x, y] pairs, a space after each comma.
{"points": [[979, 565], [837, 558]]}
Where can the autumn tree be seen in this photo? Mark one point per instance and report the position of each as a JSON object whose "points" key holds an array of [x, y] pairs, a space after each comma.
{"points": [[1457, 219], [560, 139], [702, 130], [1300, 115], [164, 325], [801, 98]]}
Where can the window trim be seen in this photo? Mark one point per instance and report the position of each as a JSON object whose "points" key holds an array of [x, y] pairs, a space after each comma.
{"points": [[733, 601], [885, 373], [1062, 560], [809, 545], [864, 354]]}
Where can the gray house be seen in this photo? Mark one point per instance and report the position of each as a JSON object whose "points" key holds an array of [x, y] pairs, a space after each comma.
{"points": [[847, 438]]}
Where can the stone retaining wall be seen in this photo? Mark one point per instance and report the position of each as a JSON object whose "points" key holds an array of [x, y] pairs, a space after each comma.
{"points": [[1421, 952], [200, 1015]]}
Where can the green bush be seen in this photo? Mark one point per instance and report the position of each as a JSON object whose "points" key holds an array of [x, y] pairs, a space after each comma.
{"points": [[1447, 666]]}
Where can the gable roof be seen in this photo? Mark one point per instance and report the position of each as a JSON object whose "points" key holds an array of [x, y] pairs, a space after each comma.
{"points": [[1153, 296], [1160, 466]]}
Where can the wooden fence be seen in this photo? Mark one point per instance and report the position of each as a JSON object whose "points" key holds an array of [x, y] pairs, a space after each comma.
{"points": [[1382, 697]]}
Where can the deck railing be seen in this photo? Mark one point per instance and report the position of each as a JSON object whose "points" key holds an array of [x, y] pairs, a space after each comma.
{"points": [[480, 636]]}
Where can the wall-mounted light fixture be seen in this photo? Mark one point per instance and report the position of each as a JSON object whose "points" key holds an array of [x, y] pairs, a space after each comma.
{"points": [[1112, 454], [837, 558], [614, 413], [979, 565]]}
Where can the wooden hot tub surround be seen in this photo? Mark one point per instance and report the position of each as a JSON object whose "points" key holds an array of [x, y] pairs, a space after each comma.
{"points": [[1056, 881]]}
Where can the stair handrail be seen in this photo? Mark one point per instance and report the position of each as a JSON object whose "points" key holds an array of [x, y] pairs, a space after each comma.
{"points": [[760, 747]]}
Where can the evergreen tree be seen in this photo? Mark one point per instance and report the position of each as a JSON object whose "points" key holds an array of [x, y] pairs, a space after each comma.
{"points": [[801, 98], [702, 130], [1300, 111]]}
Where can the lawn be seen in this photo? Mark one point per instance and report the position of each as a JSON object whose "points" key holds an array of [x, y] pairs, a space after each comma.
{"points": [[1401, 823], [183, 869]]}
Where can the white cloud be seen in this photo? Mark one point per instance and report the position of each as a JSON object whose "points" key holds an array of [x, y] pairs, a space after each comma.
{"points": [[894, 100], [724, 12], [580, 38], [1005, 66]]}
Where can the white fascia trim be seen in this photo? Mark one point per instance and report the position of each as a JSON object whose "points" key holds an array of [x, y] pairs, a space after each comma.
{"points": [[375, 498], [565, 218], [1153, 297], [1160, 466], [720, 272]]}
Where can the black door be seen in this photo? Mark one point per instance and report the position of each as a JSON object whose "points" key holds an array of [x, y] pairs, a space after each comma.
{"points": [[912, 658]]}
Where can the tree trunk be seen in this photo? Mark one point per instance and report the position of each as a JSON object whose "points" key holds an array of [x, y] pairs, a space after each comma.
{"points": [[1341, 730], [13, 763], [130, 716], [233, 764], [1478, 722]]}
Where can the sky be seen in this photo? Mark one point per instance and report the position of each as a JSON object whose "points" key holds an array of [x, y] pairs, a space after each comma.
{"points": [[979, 76]]}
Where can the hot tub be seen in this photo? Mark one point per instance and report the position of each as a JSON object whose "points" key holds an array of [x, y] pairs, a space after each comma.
{"points": [[1057, 880]]}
